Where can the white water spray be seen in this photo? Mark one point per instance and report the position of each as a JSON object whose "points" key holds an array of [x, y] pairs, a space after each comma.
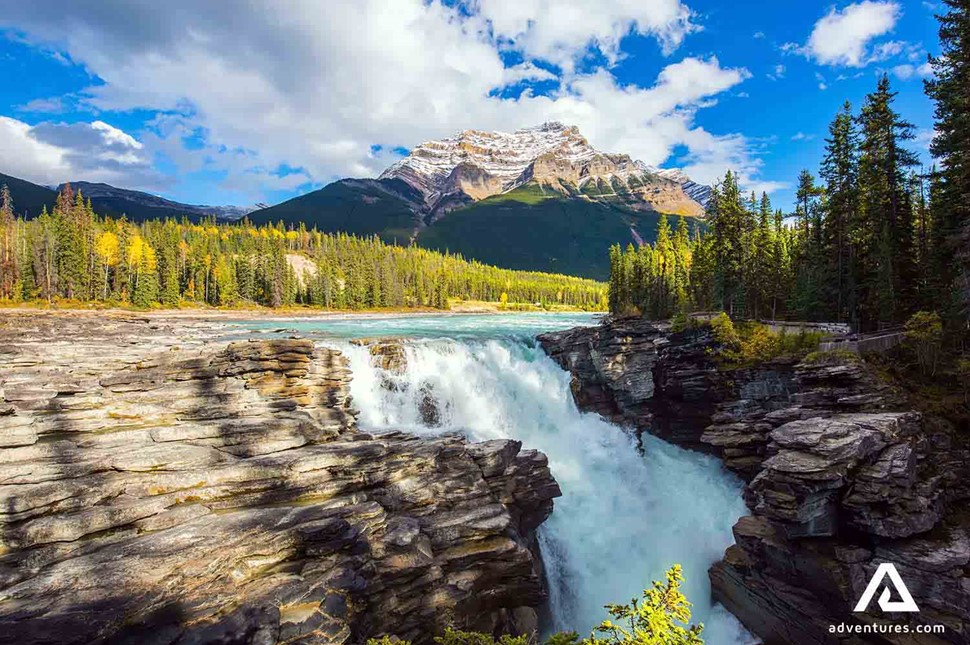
{"points": [[624, 517]]}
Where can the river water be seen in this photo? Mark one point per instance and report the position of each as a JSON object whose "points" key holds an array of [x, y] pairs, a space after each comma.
{"points": [[627, 513]]}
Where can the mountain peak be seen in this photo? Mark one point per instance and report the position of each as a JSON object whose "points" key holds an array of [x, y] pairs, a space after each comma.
{"points": [[476, 164]]}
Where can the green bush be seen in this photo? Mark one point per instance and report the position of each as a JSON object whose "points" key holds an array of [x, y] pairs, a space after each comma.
{"points": [[660, 617], [924, 333], [832, 357], [750, 342]]}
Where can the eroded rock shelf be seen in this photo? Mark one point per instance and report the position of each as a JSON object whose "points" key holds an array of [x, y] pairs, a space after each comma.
{"points": [[160, 484], [842, 476]]}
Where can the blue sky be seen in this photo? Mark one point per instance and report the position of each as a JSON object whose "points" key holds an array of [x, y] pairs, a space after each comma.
{"points": [[258, 102]]}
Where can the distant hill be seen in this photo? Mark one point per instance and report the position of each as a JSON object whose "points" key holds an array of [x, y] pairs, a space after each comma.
{"points": [[29, 199], [539, 198], [109, 200], [357, 206]]}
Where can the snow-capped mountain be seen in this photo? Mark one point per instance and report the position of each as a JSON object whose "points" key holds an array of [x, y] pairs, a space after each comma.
{"points": [[475, 164]]}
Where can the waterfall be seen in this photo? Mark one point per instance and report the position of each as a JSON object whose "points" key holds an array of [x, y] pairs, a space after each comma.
{"points": [[625, 515]]}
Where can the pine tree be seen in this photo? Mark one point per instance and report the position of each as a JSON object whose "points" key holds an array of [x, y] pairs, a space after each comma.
{"points": [[727, 217], [886, 209], [840, 170], [951, 145], [8, 251]]}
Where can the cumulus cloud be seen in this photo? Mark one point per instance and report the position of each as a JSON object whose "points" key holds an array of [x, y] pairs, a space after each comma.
{"points": [[305, 92], [560, 31], [50, 153], [843, 37], [908, 71]]}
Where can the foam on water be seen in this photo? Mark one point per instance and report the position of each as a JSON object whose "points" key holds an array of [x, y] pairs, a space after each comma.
{"points": [[625, 515]]}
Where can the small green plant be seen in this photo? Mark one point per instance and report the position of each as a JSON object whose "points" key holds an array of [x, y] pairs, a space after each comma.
{"points": [[832, 357], [724, 332], [660, 617], [963, 371], [752, 342], [924, 333], [679, 322]]}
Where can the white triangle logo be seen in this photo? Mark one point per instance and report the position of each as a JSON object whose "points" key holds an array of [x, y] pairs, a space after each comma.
{"points": [[906, 602]]}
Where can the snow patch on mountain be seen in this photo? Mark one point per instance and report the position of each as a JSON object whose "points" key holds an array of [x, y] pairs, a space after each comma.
{"points": [[476, 164]]}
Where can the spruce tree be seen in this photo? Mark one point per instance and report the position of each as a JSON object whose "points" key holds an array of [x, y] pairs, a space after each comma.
{"points": [[951, 146], [840, 172], [887, 217]]}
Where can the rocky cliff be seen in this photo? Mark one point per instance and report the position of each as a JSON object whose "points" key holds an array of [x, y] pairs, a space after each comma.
{"points": [[476, 164], [842, 476], [156, 488]]}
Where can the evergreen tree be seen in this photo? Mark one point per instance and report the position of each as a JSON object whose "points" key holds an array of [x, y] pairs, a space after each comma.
{"points": [[951, 145], [8, 251], [886, 221], [839, 170]]}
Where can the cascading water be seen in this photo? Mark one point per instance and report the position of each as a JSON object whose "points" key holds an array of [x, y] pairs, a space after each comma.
{"points": [[625, 515]]}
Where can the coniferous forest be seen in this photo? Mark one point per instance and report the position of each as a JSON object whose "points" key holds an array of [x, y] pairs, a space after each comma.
{"points": [[73, 254], [873, 237]]}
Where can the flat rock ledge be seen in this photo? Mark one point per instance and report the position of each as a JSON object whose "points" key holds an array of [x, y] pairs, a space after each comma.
{"points": [[159, 488], [841, 477]]}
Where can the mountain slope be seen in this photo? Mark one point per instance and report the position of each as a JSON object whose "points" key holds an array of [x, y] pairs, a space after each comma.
{"points": [[28, 199], [539, 198], [136, 205], [535, 229], [356, 206], [474, 165]]}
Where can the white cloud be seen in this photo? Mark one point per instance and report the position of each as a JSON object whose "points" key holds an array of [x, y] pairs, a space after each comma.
{"points": [[304, 91], [801, 136], [907, 71], [560, 31], [843, 37], [51, 153], [777, 72], [822, 83]]}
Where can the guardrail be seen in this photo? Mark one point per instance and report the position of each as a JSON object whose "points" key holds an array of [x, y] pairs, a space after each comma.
{"points": [[878, 343]]}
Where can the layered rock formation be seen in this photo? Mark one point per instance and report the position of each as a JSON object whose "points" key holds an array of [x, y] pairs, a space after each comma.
{"points": [[476, 164], [155, 488], [842, 476]]}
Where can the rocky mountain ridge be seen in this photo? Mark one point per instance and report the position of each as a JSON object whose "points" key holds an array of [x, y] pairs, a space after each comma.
{"points": [[474, 165], [842, 476]]}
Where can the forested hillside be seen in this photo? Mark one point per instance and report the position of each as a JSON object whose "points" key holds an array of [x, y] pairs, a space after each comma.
{"points": [[873, 238], [72, 253]]}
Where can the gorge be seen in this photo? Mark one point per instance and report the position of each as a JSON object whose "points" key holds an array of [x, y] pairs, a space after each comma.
{"points": [[335, 478]]}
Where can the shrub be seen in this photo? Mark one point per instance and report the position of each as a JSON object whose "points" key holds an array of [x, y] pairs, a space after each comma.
{"points": [[924, 333], [963, 371], [660, 617], [832, 357], [752, 342]]}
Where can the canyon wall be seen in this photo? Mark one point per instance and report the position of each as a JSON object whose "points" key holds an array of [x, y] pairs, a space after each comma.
{"points": [[842, 476], [161, 482]]}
